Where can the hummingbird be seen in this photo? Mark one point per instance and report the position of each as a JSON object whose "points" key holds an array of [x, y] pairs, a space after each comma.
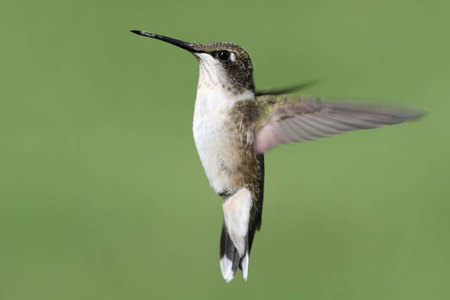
{"points": [[234, 126]]}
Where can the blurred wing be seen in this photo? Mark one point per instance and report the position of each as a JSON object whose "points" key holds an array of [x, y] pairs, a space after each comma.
{"points": [[286, 90], [289, 119]]}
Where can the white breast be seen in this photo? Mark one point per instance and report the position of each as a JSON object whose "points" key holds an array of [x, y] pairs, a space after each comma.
{"points": [[213, 136], [211, 139]]}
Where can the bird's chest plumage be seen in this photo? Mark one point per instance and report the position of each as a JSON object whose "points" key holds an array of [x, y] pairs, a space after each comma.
{"points": [[219, 144], [218, 148]]}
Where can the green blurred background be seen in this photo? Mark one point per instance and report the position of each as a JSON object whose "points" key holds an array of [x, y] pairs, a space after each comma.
{"points": [[102, 192]]}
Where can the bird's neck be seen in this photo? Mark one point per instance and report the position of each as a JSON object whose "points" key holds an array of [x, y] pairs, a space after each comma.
{"points": [[217, 98], [217, 92]]}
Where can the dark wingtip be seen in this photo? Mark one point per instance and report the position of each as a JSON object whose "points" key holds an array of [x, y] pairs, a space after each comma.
{"points": [[417, 114], [287, 90]]}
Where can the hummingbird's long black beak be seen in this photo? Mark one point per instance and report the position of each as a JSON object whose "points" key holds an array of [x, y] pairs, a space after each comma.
{"points": [[184, 45]]}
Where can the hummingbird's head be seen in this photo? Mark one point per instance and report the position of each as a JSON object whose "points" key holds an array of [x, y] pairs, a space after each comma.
{"points": [[222, 65]]}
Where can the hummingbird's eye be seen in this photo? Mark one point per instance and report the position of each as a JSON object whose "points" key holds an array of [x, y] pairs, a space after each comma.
{"points": [[224, 55]]}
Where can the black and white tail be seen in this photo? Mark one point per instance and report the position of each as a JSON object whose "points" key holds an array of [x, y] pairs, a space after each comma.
{"points": [[238, 230], [230, 259]]}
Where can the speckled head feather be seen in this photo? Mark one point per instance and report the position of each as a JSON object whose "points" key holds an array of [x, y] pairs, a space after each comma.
{"points": [[234, 60]]}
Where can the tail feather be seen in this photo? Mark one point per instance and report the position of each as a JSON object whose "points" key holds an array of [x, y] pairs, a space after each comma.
{"points": [[238, 231], [230, 259], [243, 265], [229, 256]]}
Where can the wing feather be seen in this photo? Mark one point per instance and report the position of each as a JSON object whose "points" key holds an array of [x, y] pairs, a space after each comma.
{"points": [[288, 119]]}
